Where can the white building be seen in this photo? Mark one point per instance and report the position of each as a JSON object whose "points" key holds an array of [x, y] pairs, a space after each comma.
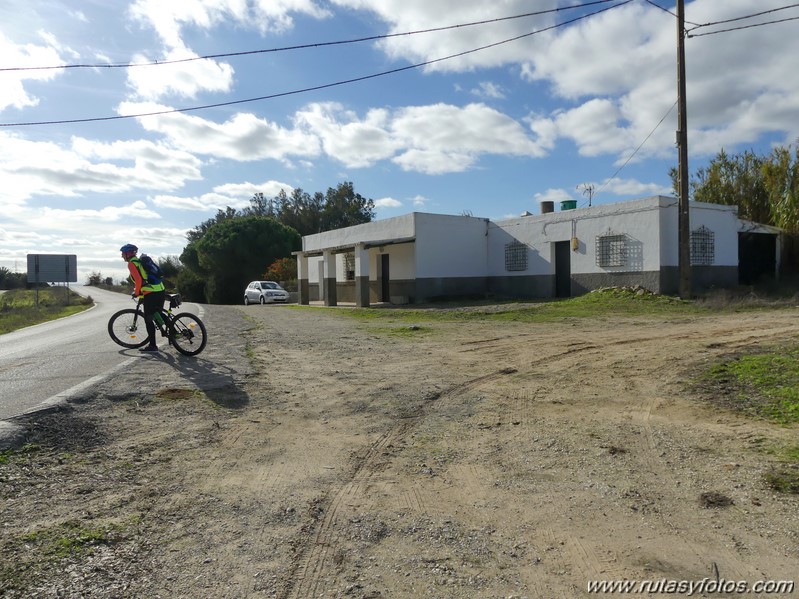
{"points": [[420, 256]]}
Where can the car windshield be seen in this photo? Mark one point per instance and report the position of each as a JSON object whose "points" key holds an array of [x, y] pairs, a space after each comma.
{"points": [[269, 285]]}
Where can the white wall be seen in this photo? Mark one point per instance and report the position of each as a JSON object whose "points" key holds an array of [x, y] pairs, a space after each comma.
{"points": [[450, 246], [399, 227], [401, 261], [464, 246], [638, 220]]}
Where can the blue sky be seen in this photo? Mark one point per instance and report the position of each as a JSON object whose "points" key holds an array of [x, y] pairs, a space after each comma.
{"points": [[490, 132]]}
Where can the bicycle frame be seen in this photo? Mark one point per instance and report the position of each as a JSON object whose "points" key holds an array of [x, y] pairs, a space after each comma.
{"points": [[166, 317], [185, 331]]}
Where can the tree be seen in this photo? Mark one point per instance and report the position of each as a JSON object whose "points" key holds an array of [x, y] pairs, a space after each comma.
{"points": [[283, 270], [309, 214], [10, 280], [764, 188], [781, 177], [736, 181], [232, 252], [344, 208], [95, 279], [221, 215], [260, 205], [300, 211], [218, 278]]}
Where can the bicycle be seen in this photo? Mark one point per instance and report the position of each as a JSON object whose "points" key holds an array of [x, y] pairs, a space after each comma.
{"points": [[185, 331]]}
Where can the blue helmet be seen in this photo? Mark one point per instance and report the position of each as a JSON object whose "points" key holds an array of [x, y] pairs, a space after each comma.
{"points": [[128, 248]]}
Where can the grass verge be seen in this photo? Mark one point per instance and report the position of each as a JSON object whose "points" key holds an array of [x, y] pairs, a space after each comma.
{"points": [[19, 309], [614, 301], [765, 385]]}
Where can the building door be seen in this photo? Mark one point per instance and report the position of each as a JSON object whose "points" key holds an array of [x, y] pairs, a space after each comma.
{"points": [[563, 271], [385, 291], [757, 257]]}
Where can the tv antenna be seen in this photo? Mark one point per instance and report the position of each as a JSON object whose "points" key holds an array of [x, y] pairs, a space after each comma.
{"points": [[588, 190]]}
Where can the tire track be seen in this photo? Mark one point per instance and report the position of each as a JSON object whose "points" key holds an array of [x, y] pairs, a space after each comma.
{"points": [[314, 557]]}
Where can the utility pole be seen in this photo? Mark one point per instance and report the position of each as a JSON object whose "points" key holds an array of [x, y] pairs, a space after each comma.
{"points": [[684, 227]]}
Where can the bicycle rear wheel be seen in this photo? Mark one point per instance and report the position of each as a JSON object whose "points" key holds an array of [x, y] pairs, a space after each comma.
{"points": [[187, 334], [126, 328]]}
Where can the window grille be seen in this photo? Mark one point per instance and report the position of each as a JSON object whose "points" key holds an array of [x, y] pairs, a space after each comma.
{"points": [[611, 250], [515, 256], [349, 265], [703, 246]]}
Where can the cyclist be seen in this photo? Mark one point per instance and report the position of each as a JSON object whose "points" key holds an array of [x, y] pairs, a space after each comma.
{"points": [[152, 294]]}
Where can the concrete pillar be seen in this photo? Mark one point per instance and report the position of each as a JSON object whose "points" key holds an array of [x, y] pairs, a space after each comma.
{"points": [[302, 279], [329, 259], [361, 276]]}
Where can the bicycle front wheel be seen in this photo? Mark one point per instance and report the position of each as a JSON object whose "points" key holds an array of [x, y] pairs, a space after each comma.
{"points": [[126, 328], [187, 334]]}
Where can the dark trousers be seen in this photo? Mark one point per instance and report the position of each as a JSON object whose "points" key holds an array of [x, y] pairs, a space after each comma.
{"points": [[151, 303]]}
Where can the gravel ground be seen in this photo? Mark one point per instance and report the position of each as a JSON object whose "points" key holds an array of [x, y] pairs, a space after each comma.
{"points": [[308, 454]]}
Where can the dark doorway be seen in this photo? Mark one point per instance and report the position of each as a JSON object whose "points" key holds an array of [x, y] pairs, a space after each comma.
{"points": [[563, 269], [384, 279], [757, 257]]}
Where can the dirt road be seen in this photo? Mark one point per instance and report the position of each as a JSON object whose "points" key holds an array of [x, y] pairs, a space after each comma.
{"points": [[311, 455]]}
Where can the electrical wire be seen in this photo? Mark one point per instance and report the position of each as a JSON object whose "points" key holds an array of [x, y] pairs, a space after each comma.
{"points": [[742, 27], [757, 14], [613, 176], [298, 47], [666, 10], [313, 88]]}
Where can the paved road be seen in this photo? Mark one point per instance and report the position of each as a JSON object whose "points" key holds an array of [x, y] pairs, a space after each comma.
{"points": [[49, 362], [39, 363]]}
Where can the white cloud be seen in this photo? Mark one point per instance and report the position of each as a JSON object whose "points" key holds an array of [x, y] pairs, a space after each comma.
{"points": [[170, 18], [243, 137], [436, 162], [443, 138], [356, 143], [617, 70], [30, 168], [418, 15], [388, 203], [419, 200], [56, 217], [185, 79], [247, 190], [489, 90], [234, 195], [632, 188], [433, 139], [553, 195], [12, 91]]}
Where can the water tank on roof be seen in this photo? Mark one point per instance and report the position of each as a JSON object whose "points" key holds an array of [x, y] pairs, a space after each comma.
{"points": [[547, 206], [568, 204]]}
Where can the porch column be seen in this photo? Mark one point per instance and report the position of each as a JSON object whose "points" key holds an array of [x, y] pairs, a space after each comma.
{"points": [[361, 276], [329, 259], [302, 279]]}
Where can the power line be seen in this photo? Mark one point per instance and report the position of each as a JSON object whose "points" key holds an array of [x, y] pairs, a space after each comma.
{"points": [[666, 10], [757, 14], [298, 47], [313, 88], [742, 27], [613, 176]]}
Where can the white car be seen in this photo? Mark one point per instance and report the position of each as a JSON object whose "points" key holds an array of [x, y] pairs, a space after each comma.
{"points": [[265, 292]]}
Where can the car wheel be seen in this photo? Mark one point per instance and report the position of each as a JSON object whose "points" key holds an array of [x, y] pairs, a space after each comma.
{"points": [[263, 301], [246, 301]]}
